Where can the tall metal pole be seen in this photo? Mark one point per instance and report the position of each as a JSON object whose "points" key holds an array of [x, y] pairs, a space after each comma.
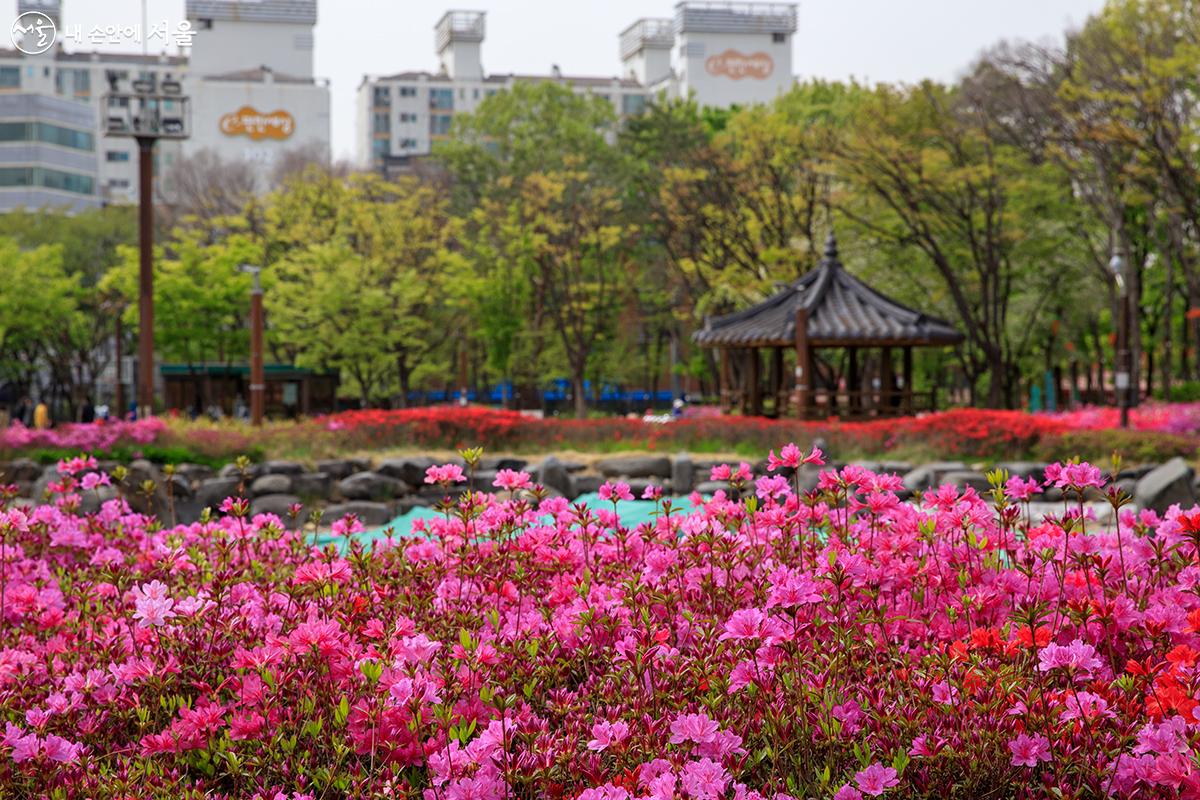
{"points": [[1125, 370], [145, 394], [258, 384], [119, 398]]}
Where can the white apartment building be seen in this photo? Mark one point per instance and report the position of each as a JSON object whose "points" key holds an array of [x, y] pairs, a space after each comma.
{"points": [[245, 65], [721, 53]]}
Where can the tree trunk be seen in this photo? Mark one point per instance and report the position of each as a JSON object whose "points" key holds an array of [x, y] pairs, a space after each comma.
{"points": [[580, 397]]}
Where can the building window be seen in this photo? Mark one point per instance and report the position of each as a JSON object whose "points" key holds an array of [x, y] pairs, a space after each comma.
{"points": [[441, 99], [439, 124], [118, 183], [379, 147], [116, 155], [408, 144], [408, 91], [10, 77], [381, 123], [779, 38], [382, 97], [408, 116], [74, 82], [475, 94], [47, 133], [49, 178], [632, 104]]}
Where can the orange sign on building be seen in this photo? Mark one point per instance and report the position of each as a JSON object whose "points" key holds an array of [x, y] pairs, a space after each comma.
{"points": [[737, 65], [249, 121]]}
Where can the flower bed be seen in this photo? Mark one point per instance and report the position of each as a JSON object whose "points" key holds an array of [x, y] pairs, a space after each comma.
{"points": [[89, 437], [839, 644]]}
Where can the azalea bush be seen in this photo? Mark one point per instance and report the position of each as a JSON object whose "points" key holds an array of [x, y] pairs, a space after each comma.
{"points": [[89, 437], [761, 644]]}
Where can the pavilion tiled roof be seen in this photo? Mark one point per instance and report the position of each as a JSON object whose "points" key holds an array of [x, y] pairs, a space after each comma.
{"points": [[842, 311]]}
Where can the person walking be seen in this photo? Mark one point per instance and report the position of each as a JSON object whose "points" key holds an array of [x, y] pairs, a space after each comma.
{"points": [[41, 416]]}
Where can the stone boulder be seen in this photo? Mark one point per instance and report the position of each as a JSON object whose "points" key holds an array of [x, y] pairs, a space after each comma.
{"points": [[964, 479], [282, 468], [712, 487], [312, 484], [1165, 486], [19, 470], [584, 483], [410, 469], [338, 468], [497, 463], [635, 467], [371, 486], [683, 473], [271, 483], [212, 491], [553, 474], [231, 470], [192, 473], [370, 514], [929, 476], [279, 505]]}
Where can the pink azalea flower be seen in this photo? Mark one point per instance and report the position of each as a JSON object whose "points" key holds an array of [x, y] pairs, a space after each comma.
{"points": [[613, 492], [445, 474], [704, 779], [512, 480], [153, 607], [1029, 750], [876, 779], [607, 734]]}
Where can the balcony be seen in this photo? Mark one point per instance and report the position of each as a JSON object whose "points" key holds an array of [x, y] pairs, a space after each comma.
{"points": [[647, 32], [459, 26]]}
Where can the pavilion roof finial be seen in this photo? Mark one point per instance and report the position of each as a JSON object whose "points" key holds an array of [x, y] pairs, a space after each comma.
{"points": [[831, 250]]}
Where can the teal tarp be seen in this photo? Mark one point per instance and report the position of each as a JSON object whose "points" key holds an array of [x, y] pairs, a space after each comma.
{"points": [[632, 513]]}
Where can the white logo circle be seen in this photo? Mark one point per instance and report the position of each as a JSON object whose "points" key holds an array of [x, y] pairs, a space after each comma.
{"points": [[33, 33]]}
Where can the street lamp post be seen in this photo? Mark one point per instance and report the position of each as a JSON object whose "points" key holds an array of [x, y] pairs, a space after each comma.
{"points": [[1122, 380], [148, 110], [258, 385]]}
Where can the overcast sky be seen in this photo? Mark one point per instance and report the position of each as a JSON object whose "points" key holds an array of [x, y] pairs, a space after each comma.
{"points": [[873, 40]]}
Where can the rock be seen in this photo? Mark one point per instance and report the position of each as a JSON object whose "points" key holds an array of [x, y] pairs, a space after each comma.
{"points": [[338, 468], [312, 484], [278, 504], [1136, 472], [928, 476], [712, 487], [193, 473], [967, 478], [635, 467], [574, 466], [432, 495], [483, 479], [553, 475], [1165, 486], [1025, 469], [411, 469], [810, 476], [370, 514], [584, 483], [188, 511], [231, 470], [181, 487], [271, 483], [20, 469], [282, 468], [371, 486], [683, 473], [90, 501], [502, 462], [140, 471], [895, 467], [639, 485], [213, 490]]}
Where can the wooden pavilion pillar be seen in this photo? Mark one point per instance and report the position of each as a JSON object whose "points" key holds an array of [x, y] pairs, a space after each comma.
{"points": [[804, 377], [853, 400], [726, 380], [754, 376], [777, 379], [908, 379], [886, 380]]}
